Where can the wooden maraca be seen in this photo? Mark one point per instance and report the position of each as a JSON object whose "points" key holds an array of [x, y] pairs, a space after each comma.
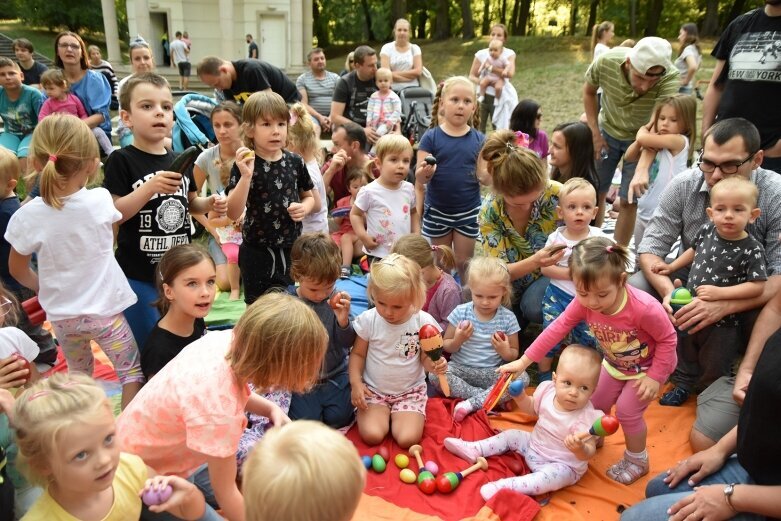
{"points": [[432, 344], [604, 426], [449, 481], [426, 481]]}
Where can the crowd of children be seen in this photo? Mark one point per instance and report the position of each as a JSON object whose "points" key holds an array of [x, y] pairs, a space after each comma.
{"points": [[187, 395]]}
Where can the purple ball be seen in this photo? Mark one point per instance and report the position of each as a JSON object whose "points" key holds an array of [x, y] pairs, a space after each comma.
{"points": [[153, 496], [464, 324], [432, 467]]}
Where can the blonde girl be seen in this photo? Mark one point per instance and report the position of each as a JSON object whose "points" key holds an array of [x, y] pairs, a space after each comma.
{"points": [[186, 283], [213, 166], [189, 418], [443, 293], [385, 208], [141, 61], [387, 365], [480, 336], [304, 141], [633, 333], [70, 229], [66, 435], [663, 148], [279, 199], [452, 186]]}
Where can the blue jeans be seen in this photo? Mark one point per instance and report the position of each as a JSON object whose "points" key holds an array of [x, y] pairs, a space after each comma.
{"points": [[200, 478], [616, 148], [554, 303], [143, 315], [328, 402], [528, 307], [661, 497]]}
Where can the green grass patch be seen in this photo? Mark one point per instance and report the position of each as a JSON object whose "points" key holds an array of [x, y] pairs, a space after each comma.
{"points": [[43, 39]]}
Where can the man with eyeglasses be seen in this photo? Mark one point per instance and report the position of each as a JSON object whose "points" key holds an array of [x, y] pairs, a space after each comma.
{"points": [[731, 147], [632, 81]]}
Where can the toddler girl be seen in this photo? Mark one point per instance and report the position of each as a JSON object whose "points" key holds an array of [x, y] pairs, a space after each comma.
{"points": [[141, 61], [274, 188], [385, 208], [452, 189], [345, 237], [65, 431], [577, 207], [633, 333], [662, 148], [559, 447], [383, 112], [443, 293], [489, 78], [70, 229], [60, 100], [186, 281], [387, 363], [481, 334], [304, 141], [188, 419]]}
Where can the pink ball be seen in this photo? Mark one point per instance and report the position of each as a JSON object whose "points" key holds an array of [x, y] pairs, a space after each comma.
{"points": [[464, 324], [384, 452], [432, 467], [153, 496]]}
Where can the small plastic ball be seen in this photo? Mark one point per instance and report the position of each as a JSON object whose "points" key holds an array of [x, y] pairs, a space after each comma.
{"points": [[464, 324], [402, 461], [367, 461], [515, 388], [384, 452], [378, 463], [432, 467], [428, 485], [516, 467], [501, 335], [153, 496], [407, 476], [681, 294], [431, 160], [447, 482]]}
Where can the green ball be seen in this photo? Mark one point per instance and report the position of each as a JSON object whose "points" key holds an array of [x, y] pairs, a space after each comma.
{"points": [[378, 464], [680, 296]]}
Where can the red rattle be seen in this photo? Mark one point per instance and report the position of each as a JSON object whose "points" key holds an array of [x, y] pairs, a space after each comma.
{"points": [[604, 426], [449, 481], [426, 482], [432, 344]]}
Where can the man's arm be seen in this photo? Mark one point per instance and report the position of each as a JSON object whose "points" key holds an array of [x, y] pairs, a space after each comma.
{"points": [[767, 323], [337, 113], [592, 116], [712, 97]]}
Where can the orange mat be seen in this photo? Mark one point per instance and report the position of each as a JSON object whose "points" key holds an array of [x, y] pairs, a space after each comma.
{"points": [[595, 497]]}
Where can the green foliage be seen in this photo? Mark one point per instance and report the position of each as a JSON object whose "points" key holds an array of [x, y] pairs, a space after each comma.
{"points": [[8, 10], [75, 15]]}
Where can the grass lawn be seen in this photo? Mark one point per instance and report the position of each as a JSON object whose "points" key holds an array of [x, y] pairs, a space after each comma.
{"points": [[43, 39]]}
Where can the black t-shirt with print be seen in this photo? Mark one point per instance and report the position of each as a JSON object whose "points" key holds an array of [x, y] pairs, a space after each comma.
{"points": [[162, 223], [751, 48], [32, 76], [355, 94], [162, 346], [254, 75], [275, 185]]}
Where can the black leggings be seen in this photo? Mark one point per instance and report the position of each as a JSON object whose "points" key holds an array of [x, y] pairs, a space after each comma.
{"points": [[263, 268]]}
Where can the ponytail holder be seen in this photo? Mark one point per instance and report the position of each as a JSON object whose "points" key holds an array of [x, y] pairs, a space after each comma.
{"points": [[52, 158], [293, 118], [609, 249], [434, 247], [521, 139]]}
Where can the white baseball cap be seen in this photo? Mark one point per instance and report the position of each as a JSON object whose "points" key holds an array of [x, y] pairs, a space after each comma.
{"points": [[650, 52]]}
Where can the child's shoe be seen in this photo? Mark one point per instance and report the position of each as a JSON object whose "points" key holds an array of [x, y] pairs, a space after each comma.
{"points": [[629, 469], [462, 410], [463, 449], [345, 272], [675, 398]]}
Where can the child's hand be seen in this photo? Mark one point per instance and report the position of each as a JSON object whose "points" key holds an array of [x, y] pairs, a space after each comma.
{"points": [[425, 171], [370, 242], [358, 396], [245, 160], [661, 268], [297, 211], [518, 366], [638, 186], [14, 372], [219, 204], [278, 416], [575, 443], [463, 332], [165, 182], [709, 293], [440, 366], [183, 491], [500, 342], [340, 303], [647, 388]]}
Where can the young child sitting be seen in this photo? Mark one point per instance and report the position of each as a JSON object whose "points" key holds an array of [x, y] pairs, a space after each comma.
{"points": [[559, 447], [384, 110], [65, 431], [577, 207], [308, 451], [315, 267], [345, 237], [726, 264], [19, 107], [60, 101], [487, 76]]}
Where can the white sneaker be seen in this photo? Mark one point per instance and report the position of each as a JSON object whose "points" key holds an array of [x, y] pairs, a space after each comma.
{"points": [[480, 98]]}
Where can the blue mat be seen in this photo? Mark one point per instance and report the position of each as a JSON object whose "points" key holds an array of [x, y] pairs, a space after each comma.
{"points": [[356, 287]]}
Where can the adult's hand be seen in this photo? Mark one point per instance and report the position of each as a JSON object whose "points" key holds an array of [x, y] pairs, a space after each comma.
{"points": [[599, 144], [700, 314], [547, 257], [696, 467], [742, 379], [705, 503]]}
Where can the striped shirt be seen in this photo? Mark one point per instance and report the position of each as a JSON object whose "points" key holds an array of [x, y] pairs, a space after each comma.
{"points": [[623, 111], [319, 92], [681, 212]]}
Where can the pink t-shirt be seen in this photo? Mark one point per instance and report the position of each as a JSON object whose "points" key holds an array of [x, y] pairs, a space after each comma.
{"points": [[192, 408], [553, 426], [442, 298], [71, 105], [638, 338]]}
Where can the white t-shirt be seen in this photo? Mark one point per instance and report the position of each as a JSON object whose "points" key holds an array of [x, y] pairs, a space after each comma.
{"points": [[599, 49], [401, 61], [209, 161], [13, 340], [663, 169], [393, 363], [387, 214], [179, 51], [317, 222], [557, 237], [683, 68], [78, 273], [482, 55]]}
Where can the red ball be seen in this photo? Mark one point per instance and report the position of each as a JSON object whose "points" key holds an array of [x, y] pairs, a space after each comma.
{"points": [[428, 486], [502, 335], [384, 452], [515, 466]]}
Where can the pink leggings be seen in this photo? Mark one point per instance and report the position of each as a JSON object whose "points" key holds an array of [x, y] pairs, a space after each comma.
{"points": [[231, 251], [622, 394]]}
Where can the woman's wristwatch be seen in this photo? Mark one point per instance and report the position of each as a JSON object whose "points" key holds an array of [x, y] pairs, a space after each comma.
{"points": [[728, 491]]}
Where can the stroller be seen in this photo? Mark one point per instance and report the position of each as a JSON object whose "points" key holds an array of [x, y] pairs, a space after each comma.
{"points": [[192, 126], [416, 104]]}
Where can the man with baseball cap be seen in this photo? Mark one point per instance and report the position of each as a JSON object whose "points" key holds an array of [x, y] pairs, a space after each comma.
{"points": [[632, 81]]}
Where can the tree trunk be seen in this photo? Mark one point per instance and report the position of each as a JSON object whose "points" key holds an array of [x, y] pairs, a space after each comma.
{"points": [[573, 17], [422, 19], [321, 26], [368, 17], [469, 23], [398, 10], [632, 18], [442, 21], [592, 16], [503, 13], [514, 18], [654, 15], [738, 7], [523, 17], [710, 24], [486, 27]]}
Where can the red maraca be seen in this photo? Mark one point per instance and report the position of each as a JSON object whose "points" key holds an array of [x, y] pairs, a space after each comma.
{"points": [[426, 481], [604, 426], [449, 481], [432, 344]]}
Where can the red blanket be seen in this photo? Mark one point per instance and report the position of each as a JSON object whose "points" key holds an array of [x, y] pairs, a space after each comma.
{"points": [[463, 502]]}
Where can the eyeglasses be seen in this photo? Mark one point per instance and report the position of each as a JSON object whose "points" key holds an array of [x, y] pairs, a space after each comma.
{"points": [[72, 46], [728, 168]]}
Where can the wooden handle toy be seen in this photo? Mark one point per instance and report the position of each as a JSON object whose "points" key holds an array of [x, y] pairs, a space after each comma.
{"points": [[426, 482], [432, 344], [449, 481], [604, 426]]}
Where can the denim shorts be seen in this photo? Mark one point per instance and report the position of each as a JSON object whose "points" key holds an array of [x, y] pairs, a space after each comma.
{"points": [[616, 148]]}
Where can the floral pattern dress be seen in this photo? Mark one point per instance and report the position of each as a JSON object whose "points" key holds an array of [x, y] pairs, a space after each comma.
{"points": [[500, 239]]}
